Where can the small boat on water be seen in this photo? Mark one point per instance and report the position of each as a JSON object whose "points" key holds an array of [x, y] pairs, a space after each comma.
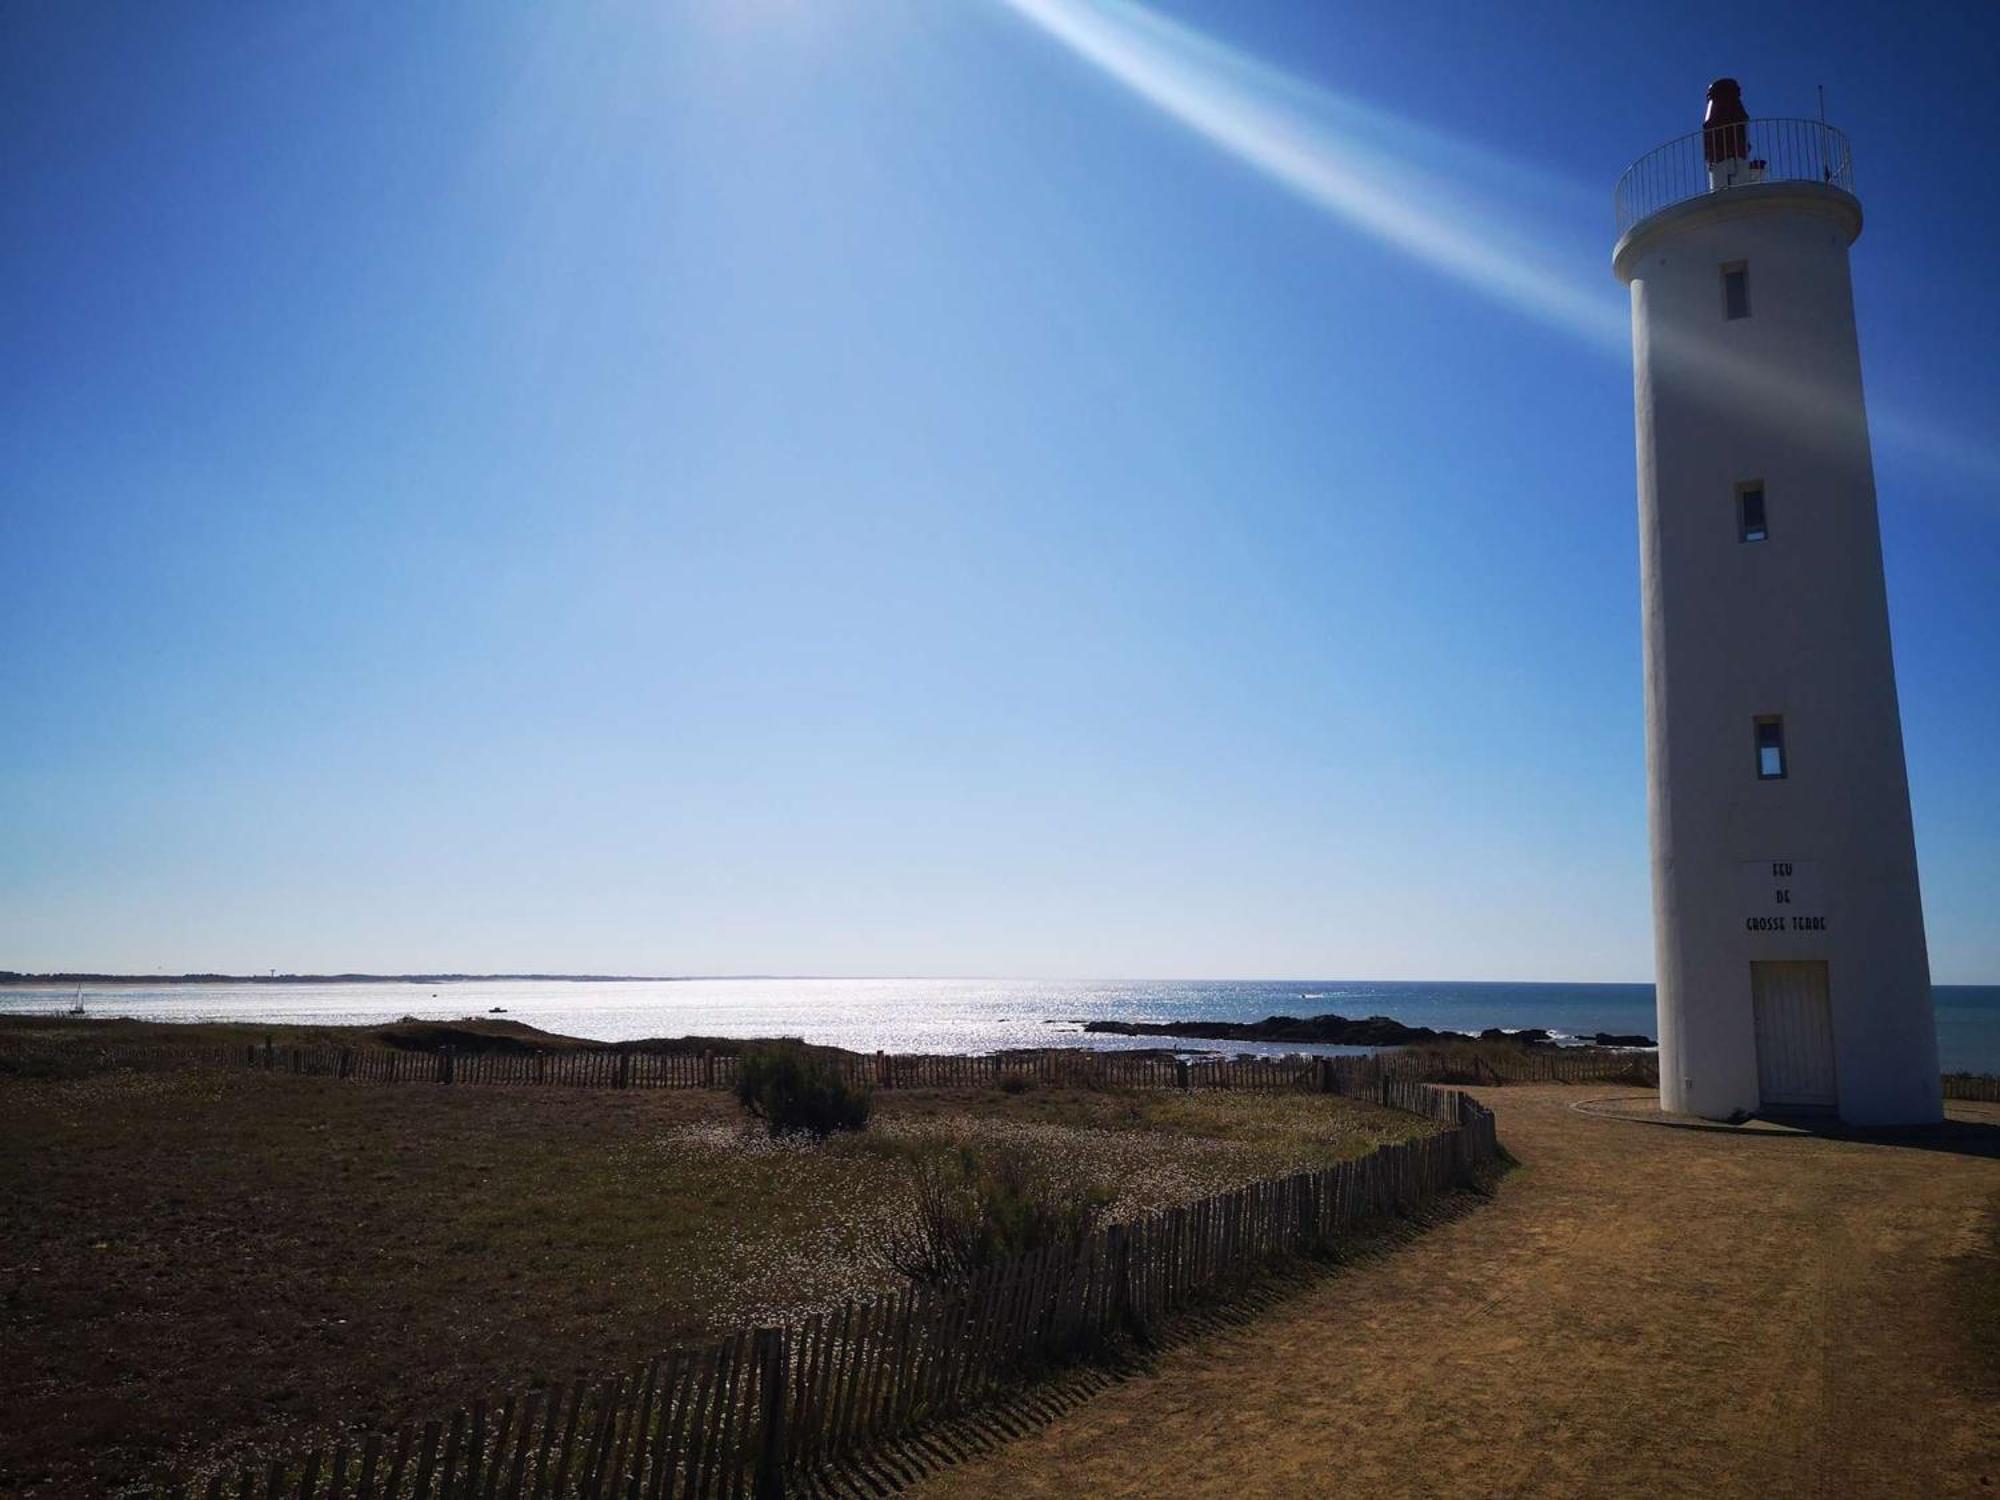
{"points": [[496, 1010], [77, 1008]]}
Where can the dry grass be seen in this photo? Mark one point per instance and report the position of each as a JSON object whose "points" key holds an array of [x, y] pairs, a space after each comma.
{"points": [[204, 1263], [1641, 1311], [468, 1034], [1976, 1289]]}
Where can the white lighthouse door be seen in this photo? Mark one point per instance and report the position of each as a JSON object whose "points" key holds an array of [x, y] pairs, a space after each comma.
{"points": [[1794, 1035]]}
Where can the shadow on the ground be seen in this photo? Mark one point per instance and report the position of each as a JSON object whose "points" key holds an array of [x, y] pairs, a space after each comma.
{"points": [[1979, 1138], [973, 1434], [1976, 1138]]}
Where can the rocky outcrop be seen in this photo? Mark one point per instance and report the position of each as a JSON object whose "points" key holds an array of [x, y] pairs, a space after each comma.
{"points": [[1370, 1031]]}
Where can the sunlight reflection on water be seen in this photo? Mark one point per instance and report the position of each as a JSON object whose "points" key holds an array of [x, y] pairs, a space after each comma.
{"points": [[943, 1015], [891, 1015]]}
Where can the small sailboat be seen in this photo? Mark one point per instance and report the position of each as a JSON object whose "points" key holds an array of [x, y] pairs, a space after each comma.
{"points": [[76, 1009]]}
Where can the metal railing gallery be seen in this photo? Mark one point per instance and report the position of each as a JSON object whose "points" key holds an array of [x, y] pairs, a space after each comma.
{"points": [[1766, 150]]}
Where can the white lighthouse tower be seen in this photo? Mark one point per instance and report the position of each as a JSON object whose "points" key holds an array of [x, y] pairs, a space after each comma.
{"points": [[1788, 926]]}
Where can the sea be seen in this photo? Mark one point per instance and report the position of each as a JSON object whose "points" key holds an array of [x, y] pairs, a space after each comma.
{"points": [[941, 1015]]}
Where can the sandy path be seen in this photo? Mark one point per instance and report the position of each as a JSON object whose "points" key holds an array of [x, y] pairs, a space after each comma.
{"points": [[1642, 1311]]}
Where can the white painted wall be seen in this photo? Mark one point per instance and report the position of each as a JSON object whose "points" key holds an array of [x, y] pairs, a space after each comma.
{"points": [[1797, 625]]}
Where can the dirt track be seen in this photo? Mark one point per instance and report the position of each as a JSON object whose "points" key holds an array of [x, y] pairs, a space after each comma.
{"points": [[1642, 1311]]}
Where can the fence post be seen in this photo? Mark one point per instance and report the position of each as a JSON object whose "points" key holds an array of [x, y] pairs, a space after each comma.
{"points": [[624, 1071], [444, 1065], [769, 1481], [346, 1061], [1183, 1073], [1125, 1303]]}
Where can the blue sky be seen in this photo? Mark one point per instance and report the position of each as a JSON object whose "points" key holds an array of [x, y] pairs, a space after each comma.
{"points": [[769, 486]]}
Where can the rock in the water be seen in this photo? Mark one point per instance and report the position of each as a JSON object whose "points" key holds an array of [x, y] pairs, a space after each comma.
{"points": [[1370, 1031]]}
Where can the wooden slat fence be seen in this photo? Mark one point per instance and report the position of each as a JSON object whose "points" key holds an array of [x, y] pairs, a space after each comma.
{"points": [[612, 1067], [83, 1055], [1073, 1067], [768, 1412], [1984, 1087], [609, 1067]]}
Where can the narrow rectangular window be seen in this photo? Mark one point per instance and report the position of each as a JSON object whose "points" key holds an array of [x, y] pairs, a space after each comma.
{"points": [[1736, 290], [1771, 748], [1750, 523]]}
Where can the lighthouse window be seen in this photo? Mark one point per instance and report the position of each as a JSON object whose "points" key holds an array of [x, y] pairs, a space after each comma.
{"points": [[1750, 525], [1736, 291], [1770, 749]]}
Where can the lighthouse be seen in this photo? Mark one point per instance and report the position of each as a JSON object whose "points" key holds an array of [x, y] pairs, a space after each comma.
{"points": [[1788, 925]]}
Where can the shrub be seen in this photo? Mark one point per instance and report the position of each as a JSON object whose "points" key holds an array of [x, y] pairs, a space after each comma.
{"points": [[794, 1089], [1015, 1083], [56, 1063], [971, 1211]]}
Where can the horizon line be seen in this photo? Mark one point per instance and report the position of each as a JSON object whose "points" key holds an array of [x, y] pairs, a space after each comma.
{"points": [[14, 978], [444, 976]]}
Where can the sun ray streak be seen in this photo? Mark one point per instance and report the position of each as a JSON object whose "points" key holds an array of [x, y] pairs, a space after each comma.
{"points": [[1458, 208], [1295, 135]]}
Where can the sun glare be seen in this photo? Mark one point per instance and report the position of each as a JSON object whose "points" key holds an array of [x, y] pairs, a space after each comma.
{"points": [[1341, 156], [1464, 210]]}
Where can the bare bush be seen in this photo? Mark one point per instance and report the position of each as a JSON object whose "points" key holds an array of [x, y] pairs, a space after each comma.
{"points": [[798, 1090], [971, 1210]]}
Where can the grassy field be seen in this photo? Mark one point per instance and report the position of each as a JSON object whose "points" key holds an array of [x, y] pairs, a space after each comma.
{"points": [[468, 1034], [196, 1264], [1641, 1311]]}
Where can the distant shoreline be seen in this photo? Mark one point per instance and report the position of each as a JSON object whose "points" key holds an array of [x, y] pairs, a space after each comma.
{"points": [[12, 979]]}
